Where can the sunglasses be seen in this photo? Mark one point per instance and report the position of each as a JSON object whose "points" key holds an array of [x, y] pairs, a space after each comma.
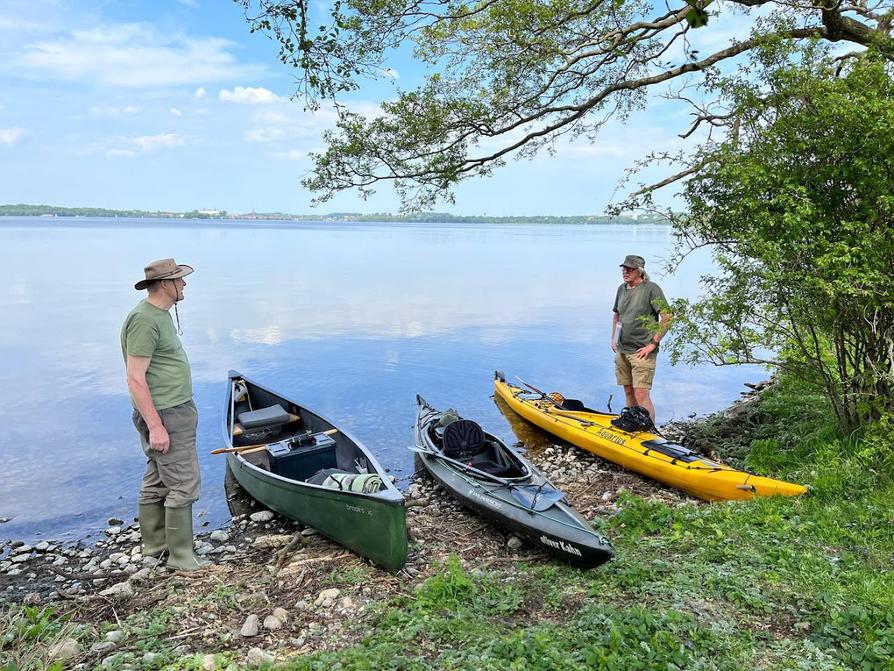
{"points": [[625, 269]]}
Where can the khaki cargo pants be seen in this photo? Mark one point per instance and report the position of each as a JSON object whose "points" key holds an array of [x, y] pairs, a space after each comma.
{"points": [[172, 477], [635, 372]]}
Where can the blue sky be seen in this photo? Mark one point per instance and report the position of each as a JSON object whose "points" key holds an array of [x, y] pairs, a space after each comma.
{"points": [[173, 104]]}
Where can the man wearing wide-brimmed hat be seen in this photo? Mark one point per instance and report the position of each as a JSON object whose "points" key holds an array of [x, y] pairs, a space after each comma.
{"points": [[160, 384], [641, 311]]}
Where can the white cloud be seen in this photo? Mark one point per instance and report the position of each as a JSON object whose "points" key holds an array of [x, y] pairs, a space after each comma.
{"points": [[98, 111], [391, 73], [264, 134], [132, 55], [176, 112], [147, 144], [249, 95], [10, 136], [200, 93]]}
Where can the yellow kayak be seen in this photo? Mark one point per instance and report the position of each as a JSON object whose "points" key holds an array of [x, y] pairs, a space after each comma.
{"points": [[646, 453]]}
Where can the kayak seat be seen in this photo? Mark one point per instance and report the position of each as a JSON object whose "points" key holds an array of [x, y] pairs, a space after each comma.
{"points": [[492, 460], [463, 439]]}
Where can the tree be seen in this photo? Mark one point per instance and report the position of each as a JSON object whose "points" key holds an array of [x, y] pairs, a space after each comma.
{"points": [[798, 208], [514, 76]]}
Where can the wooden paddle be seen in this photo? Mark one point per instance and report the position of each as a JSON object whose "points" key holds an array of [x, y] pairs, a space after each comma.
{"points": [[254, 448]]}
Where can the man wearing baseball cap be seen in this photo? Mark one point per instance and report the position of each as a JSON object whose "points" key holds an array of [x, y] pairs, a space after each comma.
{"points": [[165, 416], [640, 310]]}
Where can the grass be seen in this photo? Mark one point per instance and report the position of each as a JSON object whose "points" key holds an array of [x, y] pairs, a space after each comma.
{"points": [[28, 634], [775, 583]]}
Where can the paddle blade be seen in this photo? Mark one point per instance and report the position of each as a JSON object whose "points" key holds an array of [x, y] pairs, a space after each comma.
{"points": [[537, 498]]}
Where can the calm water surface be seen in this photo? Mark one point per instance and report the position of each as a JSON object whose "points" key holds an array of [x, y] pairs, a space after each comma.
{"points": [[352, 320]]}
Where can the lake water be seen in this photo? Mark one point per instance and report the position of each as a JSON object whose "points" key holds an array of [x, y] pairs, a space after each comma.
{"points": [[352, 320]]}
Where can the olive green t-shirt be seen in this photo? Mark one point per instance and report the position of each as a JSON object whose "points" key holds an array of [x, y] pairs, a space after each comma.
{"points": [[645, 300], [149, 331]]}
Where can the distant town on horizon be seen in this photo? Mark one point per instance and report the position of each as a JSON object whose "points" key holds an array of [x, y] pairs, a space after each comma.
{"points": [[22, 210]]}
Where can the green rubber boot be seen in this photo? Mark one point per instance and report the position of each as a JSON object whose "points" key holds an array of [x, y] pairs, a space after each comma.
{"points": [[178, 529], [152, 528]]}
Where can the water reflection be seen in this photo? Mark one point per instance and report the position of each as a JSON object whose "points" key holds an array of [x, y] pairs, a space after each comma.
{"points": [[352, 320]]}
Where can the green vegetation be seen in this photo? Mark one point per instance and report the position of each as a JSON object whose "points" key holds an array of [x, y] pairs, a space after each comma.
{"points": [[798, 209], [28, 634], [775, 583], [21, 210], [420, 217], [511, 78]]}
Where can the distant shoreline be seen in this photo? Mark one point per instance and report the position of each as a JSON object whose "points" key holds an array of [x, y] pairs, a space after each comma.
{"points": [[49, 211]]}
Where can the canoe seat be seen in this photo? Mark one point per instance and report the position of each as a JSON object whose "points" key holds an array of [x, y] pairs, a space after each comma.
{"points": [[463, 439], [264, 418]]}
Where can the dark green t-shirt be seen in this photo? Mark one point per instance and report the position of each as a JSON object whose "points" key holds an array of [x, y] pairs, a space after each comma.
{"points": [[149, 331], [635, 307]]}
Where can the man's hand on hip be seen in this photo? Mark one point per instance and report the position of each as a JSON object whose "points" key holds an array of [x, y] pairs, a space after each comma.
{"points": [[643, 352]]}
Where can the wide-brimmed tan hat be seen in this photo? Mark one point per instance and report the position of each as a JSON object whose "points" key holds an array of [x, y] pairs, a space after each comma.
{"points": [[633, 261], [163, 269]]}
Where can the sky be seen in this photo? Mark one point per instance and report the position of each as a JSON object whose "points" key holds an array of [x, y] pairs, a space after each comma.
{"points": [[174, 105]]}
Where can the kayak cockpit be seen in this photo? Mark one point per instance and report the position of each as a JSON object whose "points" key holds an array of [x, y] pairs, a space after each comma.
{"points": [[464, 441]]}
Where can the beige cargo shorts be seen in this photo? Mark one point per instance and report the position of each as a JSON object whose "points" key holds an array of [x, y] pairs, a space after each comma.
{"points": [[635, 372], [172, 477]]}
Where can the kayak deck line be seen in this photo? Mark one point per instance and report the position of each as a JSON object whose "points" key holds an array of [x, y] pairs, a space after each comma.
{"points": [[644, 452], [647, 452]]}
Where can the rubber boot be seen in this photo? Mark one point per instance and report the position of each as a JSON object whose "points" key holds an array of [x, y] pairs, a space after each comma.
{"points": [[152, 528], [178, 529]]}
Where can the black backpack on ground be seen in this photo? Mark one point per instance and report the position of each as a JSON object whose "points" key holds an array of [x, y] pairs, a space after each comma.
{"points": [[634, 419]]}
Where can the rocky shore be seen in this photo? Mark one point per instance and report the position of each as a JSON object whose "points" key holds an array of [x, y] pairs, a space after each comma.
{"points": [[277, 589]]}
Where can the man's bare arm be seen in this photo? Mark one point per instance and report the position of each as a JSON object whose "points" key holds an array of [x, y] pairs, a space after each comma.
{"points": [[139, 391]]}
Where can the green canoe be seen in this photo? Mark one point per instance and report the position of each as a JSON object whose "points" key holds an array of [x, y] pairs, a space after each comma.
{"points": [[300, 465]]}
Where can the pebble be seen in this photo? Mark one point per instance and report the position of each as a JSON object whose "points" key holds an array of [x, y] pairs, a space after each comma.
{"points": [[122, 589], [18, 559], [271, 541], [219, 536], [43, 546], [102, 646], [113, 531], [250, 627], [281, 614], [346, 602], [65, 650], [115, 522], [60, 561], [150, 657], [272, 623], [301, 605], [327, 594], [150, 562], [209, 663], [514, 543], [18, 549], [115, 636], [258, 657], [262, 516], [309, 531]]}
